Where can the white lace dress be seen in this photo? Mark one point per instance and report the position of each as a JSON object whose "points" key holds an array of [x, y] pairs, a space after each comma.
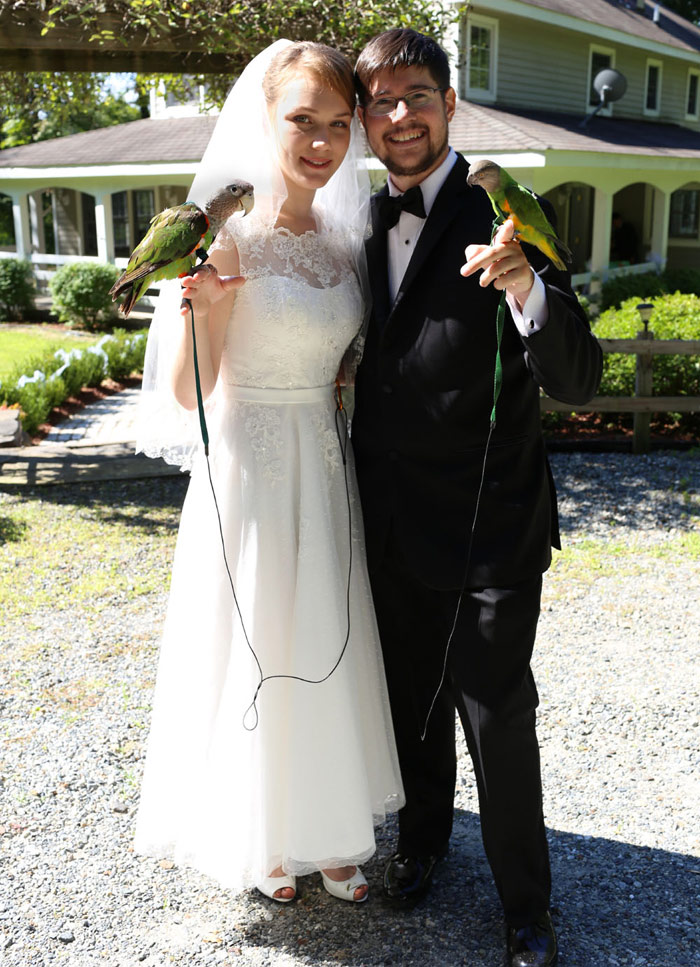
{"points": [[304, 787]]}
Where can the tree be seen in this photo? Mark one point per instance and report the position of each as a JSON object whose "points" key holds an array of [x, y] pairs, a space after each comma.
{"points": [[239, 29], [47, 104]]}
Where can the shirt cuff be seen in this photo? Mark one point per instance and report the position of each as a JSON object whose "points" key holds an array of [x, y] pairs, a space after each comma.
{"points": [[534, 313]]}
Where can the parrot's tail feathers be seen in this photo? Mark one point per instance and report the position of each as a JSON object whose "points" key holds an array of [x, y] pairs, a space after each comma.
{"points": [[561, 253], [117, 288], [129, 301], [564, 250], [557, 262]]}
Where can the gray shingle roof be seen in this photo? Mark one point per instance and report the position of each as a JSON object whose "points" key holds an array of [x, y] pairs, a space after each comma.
{"points": [[477, 129], [150, 140], [623, 15]]}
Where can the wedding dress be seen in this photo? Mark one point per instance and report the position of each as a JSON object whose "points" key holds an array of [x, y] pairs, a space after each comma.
{"points": [[299, 780]]}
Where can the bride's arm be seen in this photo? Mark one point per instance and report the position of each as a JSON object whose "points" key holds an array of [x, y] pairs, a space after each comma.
{"points": [[212, 290]]}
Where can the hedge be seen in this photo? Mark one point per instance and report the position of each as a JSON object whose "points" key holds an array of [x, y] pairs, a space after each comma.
{"points": [[45, 381], [17, 289], [675, 316], [648, 284]]}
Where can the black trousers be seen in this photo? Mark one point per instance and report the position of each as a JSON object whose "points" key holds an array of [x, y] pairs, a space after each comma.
{"points": [[490, 683]]}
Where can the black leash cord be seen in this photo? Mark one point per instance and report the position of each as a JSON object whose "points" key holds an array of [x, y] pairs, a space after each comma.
{"points": [[497, 383], [341, 419]]}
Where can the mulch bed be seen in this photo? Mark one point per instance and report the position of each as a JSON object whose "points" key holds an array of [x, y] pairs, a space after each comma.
{"points": [[609, 431]]}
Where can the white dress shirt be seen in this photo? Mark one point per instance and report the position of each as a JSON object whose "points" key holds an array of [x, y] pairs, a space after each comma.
{"points": [[402, 240]]}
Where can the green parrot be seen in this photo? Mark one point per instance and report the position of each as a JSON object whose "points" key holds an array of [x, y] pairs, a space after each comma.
{"points": [[511, 200], [175, 238]]}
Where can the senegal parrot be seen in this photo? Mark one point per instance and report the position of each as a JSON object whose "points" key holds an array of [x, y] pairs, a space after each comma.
{"points": [[175, 238], [511, 200]]}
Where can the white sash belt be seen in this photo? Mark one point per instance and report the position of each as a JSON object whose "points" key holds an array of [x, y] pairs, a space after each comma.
{"points": [[263, 394]]}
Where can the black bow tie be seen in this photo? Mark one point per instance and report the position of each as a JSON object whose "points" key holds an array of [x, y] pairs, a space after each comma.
{"points": [[390, 208]]}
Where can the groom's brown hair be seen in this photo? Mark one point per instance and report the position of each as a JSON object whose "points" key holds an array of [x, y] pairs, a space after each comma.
{"points": [[399, 48]]}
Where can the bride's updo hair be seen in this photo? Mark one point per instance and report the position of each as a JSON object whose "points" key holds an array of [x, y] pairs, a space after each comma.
{"points": [[328, 65]]}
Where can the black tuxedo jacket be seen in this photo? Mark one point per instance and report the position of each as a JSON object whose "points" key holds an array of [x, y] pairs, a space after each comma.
{"points": [[424, 394]]}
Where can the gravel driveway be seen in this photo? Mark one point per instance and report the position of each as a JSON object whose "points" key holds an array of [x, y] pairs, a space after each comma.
{"points": [[617, 668]]}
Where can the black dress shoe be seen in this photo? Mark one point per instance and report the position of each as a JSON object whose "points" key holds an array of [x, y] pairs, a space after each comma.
{"points": [[407, 878], [534, 945]]}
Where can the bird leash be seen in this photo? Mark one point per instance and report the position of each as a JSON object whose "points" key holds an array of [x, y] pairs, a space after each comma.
{"points": [[341, 428], [497, 384]]}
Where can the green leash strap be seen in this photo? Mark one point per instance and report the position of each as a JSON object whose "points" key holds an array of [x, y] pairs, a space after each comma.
{"points": [[498, 366], [198, 385], [500, 319]]}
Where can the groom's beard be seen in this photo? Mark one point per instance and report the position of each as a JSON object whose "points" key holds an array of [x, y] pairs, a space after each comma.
{"points": [[431, 156]]}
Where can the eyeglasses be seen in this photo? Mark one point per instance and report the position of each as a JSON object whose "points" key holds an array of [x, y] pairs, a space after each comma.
{"points": [[417, 100]]}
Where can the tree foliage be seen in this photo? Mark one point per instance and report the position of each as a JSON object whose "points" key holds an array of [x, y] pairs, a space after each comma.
{"points": [[35, 106], [240, 29], [48, 104]]}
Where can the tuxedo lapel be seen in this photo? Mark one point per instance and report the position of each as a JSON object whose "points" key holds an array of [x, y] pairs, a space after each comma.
{"points": [[444, 211], [378, 264]]}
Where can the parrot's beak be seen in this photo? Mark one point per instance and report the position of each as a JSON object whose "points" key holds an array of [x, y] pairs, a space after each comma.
{"points": [[247, 202]]}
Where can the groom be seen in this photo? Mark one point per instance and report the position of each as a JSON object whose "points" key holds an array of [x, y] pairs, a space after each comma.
{"points": [[446, 502]]}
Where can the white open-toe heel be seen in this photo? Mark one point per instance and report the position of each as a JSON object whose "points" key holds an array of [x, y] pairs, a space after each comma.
{"points": [[345, 889], [271, 884]]}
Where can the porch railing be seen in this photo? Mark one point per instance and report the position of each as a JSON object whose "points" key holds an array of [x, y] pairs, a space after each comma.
{"points": [[580, 279]]}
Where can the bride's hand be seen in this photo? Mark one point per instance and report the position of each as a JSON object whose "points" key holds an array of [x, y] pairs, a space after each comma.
{"points": [[205, 287]]}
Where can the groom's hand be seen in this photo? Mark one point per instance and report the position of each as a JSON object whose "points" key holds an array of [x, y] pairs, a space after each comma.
{"points": [[502, 264]]}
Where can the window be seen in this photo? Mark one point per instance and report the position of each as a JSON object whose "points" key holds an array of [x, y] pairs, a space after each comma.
{"points": [[692, 101], [144, 210], [7, 224], [685, 212], [120, 220], [89, 224], [652, 97], [600, 59], [481, 45]]}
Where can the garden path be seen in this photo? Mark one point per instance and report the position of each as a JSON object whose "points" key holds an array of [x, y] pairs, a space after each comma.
{"points": [[104, 422], [97, 443]]}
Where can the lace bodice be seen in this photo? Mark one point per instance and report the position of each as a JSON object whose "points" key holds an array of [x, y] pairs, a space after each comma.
{"points": [[299, 310]]}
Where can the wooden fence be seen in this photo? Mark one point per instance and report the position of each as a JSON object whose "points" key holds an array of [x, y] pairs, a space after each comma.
{"points": [[642, 404]]}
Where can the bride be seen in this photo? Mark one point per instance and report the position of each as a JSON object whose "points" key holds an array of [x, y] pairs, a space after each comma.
{"points": [[271, 753]]}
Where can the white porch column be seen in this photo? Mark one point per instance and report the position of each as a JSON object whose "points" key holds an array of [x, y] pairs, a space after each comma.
{"points": [[105, 227], [661, 214], [600, 241], [20, 215], [36, 221]]}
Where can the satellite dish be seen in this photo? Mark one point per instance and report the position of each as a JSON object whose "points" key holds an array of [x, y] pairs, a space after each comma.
{"points": [[609, 85]]}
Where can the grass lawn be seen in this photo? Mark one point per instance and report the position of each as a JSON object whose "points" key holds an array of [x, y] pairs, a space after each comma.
{"points": [[90, 546], [21, 343]]}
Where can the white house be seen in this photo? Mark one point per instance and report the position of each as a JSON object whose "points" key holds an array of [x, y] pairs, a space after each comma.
{"points": [[524, 72]]}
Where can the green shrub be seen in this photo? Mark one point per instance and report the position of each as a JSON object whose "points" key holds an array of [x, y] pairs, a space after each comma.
{"points": [[683, 280], [648, 284], [622, 287], [17, 288], [81, 296], [125, 353], [44, 382], [675, 316]]}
